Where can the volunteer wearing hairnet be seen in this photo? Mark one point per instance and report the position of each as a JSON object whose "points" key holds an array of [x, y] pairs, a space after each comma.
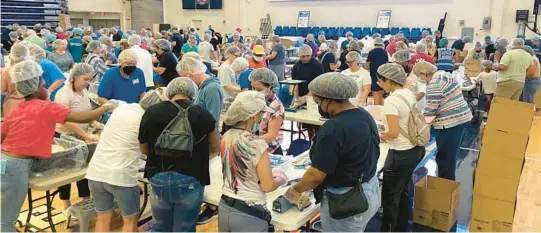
{"points": [[60, 56], [533, 80], [114, 167], [123, 46], [345, 44], [310, 41], [353, 46], [322, 42], [392, 47], [459, 45], [96, 51], [206, 50], [144, 59], [360, 76], [306, 69], [451, 115], [403, 156], [344, 154], [227, 75], [18, 53], [430, 46], [242, 69], [513, 67], [328, 57], [75, 45], [167, 61], [445, 57], [476, 53], [49, 40], [501, 49], [35, 39], [191, 46], [177, 41], [247, 169], [125, 82], [403, 57], [86, 41], [27, 134], [52, 75], [489, 47], [376, 57], [269, 129], [108, 54], [258, 60], [536, 46], [488, 79], [421, 54], [277, 59], [178, 182], [60, 34]]}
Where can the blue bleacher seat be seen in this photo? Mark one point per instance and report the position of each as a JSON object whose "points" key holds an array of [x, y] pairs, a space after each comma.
{"points": [[366, 32], [315, 31], [415, 34], [301, 32], [375, 30], [406, 32], [385, 31], [357, 32], [324, 29], [428, 29], [285, 31], [292, 31], [395, 30], [278, 30], [348, 29], [331, 33]]}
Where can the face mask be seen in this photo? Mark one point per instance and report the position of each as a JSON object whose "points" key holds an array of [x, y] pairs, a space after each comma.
{"points": [[322, 113], [128, 69]]}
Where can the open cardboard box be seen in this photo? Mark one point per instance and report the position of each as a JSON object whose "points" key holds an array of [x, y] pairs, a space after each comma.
{"points": [[436, 203]]}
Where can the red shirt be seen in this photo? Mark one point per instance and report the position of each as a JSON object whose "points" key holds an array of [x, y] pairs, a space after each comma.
{"points": [[391, 48], [61, 35], [421, 57], [29, 129], [257, 65]]}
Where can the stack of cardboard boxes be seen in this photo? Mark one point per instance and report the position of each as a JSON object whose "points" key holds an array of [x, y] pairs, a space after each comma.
{"points": [[500, 165]]}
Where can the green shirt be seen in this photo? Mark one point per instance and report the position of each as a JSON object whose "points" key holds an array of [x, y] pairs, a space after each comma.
{"points": [[517, 62], [186, 48]]}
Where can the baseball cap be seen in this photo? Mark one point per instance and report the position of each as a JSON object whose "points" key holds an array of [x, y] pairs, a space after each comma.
{"points": [[259, 50]]}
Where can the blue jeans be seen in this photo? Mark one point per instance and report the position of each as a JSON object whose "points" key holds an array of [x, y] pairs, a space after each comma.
{"points": [[176, 201], [531, 85], [448, 142], [14, 187], [356, 223]]}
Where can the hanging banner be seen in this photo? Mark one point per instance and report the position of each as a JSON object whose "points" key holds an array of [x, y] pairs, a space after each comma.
{"points": [[384, 19], [304, 18]]}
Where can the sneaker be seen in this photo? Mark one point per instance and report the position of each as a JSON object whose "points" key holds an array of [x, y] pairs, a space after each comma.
{"points": [[65, 213], [207, 215]]}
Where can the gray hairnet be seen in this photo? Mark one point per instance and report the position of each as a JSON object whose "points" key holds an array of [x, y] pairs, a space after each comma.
{"points": [[36, 51], [355, 45], [240, 64], [231, 50], [44, 32], [394, 72], [478, 45], [192, 66], [127, 56], [134, 40], [466, 39], [182, 85], [517, 43], [529, 50], [192, 54], [334, 86], [275, 38], [107, 42], [163, 44], [305, 50], [59, 30], [502, 42], [19, 53], [376, 35], [402, 56], [378, 42], [401, 45], [423, 67], [486, 63], [259, 41], [25, 75], [353, 56], [93, 46], [58, 42], [153, 97], [332, 46], [264, 75], [421, 48], [80, 69]]}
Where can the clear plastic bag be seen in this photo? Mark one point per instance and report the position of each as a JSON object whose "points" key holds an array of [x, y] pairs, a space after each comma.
{"points": [[74, 157]]}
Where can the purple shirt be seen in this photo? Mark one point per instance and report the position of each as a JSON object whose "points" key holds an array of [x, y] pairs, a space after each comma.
{"points": [[315, 48]]}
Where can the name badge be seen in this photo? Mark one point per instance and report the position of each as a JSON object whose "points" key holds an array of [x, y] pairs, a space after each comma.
{"points": [[135, 81]]}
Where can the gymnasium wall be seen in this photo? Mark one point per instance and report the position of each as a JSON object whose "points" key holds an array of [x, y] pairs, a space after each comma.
{"points": [[412, 13]]}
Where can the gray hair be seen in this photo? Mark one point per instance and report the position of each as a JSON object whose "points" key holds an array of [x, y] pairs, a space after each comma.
{"points": [[134, 40], [192, 37], [80, 69], [58, 42], [529, 50], [349, 33], [355, 46], [182, 85], [93, 46], [335, 86]]}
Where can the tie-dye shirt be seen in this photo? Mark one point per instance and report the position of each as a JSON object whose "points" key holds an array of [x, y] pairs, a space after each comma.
{"points": [[241, 151], [274, 103]]}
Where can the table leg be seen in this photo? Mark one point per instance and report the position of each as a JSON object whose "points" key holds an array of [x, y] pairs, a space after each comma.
{"points": [[27, 225], [145, 199], [49, 200]]}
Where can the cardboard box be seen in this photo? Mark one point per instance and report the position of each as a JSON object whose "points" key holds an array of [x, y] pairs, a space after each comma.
{"points": [[472, 68], [510, 116], [499, 188], [436, 203], [498, 143], [490, 215], [497, 166]]}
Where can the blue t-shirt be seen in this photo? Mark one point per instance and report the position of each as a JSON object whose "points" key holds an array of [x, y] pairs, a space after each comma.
{"points": [[537, 49], [244, 80], [117, 51], [445, 59], [345, 148], [458, 45], [115, 86], [327, 58], [75, 47], [51, 74], [280, 58], [376, 57]]}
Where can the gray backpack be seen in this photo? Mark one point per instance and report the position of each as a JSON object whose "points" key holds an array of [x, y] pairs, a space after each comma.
{"points": [[176, 140], [418, 130]]}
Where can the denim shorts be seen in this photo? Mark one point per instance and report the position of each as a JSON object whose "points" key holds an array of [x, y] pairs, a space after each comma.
{"points": [[105, 196]]}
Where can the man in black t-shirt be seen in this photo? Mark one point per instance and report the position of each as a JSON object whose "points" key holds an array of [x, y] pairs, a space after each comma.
{"points": [[377, 57], [177, 41], [178, 180], [167, 61]]}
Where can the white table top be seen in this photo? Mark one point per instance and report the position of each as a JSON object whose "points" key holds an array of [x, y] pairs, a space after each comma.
{"points": [[45, 183], [304, 116]]}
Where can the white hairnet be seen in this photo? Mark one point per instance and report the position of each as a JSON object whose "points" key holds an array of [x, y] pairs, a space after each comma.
{"points": [[424, 67], [421, 48], [310, 37], [393, 71], [466, 39], [44, 32], [58, 42], [80, 69], [13, 35], [25, 75], [353, 56], [334, 86], [36, 51], [134, 40], [517, 43], [193, 55], [378, 42], [332, 46], [246, 105], [192, 37], [231, 50], [153, 97], [376, 35], [264, 75], [107, 41], [192, 66], [354, 45], [163, 44], [93, 46], [19, 53], [240, 64], [478, 45], [88, 39], [59, 30], [402, 55], [206, 37], [401, 45], [305, 50], [127, 56], [486, 63], [182, 85]]}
